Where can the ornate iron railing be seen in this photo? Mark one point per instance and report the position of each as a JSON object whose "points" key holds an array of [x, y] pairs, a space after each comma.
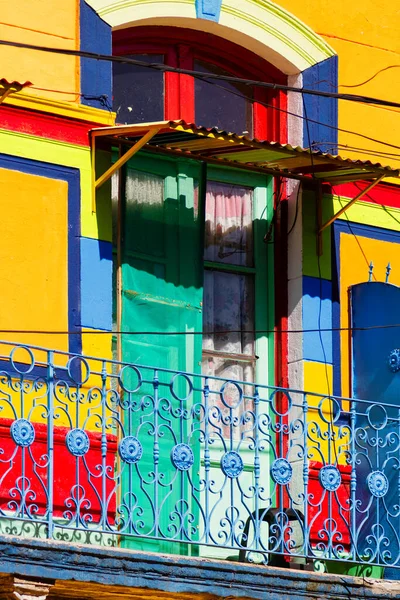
{"points": [[107, 453]]}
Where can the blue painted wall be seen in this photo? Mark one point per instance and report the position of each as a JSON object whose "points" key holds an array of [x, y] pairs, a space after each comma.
{"points": [[323, 77], [317, 315], [96, 284], [373, 304], [96, 76], [208, 9], [356, 229]]}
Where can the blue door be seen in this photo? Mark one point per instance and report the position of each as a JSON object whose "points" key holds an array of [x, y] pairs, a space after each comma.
{"points": [[375, 431]]}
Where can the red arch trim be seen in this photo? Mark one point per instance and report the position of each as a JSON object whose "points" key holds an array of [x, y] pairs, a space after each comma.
{"points": [[182, 46]]}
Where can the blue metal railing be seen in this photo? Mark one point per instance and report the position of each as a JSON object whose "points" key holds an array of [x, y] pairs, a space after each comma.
{"points": [[108, 453]]}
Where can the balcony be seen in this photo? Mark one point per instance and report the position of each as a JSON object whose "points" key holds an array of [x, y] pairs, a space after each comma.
{"points": [[137, 458]]}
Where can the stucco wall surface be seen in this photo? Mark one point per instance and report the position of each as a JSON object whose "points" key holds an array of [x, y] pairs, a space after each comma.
{"points": [[44, 23], [366, 37]]}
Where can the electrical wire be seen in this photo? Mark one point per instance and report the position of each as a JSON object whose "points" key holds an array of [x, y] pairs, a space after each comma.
{"points": [[102, 98], [372, 77], [219, 332], [167, 68], [319, 266], [203, 76], [356, 149], [296, 210], [292, 114], [337, 37], [278, 198], [333, 86]]}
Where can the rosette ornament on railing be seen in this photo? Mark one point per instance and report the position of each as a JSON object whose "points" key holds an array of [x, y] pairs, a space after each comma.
{"points": [[96, 451]]}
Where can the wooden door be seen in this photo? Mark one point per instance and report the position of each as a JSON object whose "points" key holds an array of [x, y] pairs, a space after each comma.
{"points": [[162, 299]]}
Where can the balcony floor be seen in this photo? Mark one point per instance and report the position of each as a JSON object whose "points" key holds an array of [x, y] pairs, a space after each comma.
{"points": [[72, 571]]}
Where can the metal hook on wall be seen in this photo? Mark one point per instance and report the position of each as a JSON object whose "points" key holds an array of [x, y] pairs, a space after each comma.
{"points": [[388, 269]]}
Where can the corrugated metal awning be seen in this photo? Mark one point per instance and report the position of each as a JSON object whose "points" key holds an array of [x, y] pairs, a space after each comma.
{"points": [[219, 147], [11, 87]]}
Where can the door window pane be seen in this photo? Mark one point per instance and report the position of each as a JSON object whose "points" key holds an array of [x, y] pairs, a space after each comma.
{"points": [[229, 224], [228, 313], [138, 91], [144, 204], [222, 104]]}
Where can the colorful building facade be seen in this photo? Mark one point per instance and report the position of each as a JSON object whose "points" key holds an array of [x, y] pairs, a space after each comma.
{"points": [[216, 262]]}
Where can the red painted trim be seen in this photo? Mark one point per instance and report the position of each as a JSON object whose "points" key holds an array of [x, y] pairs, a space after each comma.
{"points": [[181, 47], [281, 289], [147, 39], [318, 511], [384, 194], [186, 84], [281, 314], [44, 125], [66, 467], [171, 84]]}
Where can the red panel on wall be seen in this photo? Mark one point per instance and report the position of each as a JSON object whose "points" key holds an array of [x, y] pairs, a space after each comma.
{"points": [[384, 194], [78, 482], [329, 511], [46, 126]]}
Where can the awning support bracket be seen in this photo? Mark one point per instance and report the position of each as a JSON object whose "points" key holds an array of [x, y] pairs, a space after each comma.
{"points": [[6, 93], [6, 88], [97, 183], [322, 227]]}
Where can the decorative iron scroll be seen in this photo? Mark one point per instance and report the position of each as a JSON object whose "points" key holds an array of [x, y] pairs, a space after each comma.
{"points": [[95, 451]]}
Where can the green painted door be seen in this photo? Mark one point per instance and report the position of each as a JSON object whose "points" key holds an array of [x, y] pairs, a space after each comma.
{"points": [[238, 313], [161, 294]]}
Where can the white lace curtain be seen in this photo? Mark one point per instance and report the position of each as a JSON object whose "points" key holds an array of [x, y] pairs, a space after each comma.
{"points": [[228, 297]]}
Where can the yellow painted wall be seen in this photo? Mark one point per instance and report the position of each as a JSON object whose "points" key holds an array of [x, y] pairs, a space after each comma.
{"points": [[366, 36], [318, 379], [46, 23], [356, 252], [97, 344], [33, 257]]}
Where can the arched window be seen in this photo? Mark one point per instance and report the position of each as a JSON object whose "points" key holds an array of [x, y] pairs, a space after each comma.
{"points": [[143, 94]]}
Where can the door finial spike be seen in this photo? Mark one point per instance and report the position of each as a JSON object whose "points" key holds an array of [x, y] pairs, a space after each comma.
{"points": [[388, 269], [370, 270]]}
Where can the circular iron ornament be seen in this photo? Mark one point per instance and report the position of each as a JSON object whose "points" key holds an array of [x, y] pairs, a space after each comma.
{"points": [[76, 367], [182, 457], [378, 484], [28, 366], [330, 478], [77, 442], [183, 378], [22, 432], [130, 449], [281, 471], [394, 360], [232, 464]]}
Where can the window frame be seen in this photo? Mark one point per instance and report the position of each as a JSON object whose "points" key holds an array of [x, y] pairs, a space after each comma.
{"points": [[263, 269], [181, 48]]}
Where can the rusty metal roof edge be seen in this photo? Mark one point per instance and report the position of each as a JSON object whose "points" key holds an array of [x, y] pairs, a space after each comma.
{"points": [[175, 125], [14, 84]]}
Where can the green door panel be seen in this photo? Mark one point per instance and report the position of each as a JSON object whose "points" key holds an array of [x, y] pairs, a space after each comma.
{"points": [[161, 294]]}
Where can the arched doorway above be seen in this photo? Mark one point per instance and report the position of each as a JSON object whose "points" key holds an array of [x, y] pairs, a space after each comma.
{"points": [[262, 26], [142, 94]]}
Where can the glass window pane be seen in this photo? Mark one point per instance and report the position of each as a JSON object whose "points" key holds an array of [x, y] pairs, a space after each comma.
{"points": [[231, 411], [222, 104], [227, 368], [229, 224], [138, 91], [144, 204], [228, 317]]}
